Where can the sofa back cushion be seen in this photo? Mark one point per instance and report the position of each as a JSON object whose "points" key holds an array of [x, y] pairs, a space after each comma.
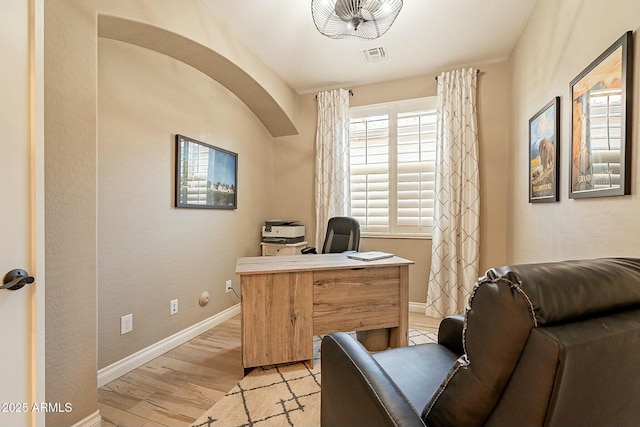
{"points": [[569, 290]]}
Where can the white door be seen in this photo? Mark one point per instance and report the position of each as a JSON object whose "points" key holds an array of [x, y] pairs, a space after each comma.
{"points": [[21, 311]]}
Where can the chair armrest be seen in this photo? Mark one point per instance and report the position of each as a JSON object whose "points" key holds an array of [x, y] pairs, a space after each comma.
{"points": [[356, 391], [450, 333]]}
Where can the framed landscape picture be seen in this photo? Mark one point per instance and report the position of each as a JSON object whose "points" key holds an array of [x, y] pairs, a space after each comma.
{"points": [[206, 176], [601, 124], [544, 151]]}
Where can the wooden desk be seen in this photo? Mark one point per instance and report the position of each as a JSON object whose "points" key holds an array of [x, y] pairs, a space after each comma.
{"points": [[286, 300]]}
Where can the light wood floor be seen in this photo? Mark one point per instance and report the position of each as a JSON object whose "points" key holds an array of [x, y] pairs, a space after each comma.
{"points": [[179, 386]]}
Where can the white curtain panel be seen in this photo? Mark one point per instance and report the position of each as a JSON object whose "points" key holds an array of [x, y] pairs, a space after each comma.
{"points": [[456, 229], [333, 194]]}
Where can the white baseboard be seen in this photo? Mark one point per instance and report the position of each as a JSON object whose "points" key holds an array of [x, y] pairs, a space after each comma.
{"points": [[93, 420], [417, 307], [129, 363]]}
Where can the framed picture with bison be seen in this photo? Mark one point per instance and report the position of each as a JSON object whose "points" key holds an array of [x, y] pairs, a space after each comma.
{"points": [[601, 124], [544, 151]]}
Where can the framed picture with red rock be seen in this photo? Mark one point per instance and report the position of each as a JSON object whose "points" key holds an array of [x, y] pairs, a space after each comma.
{"points": [[544, 151], [601, 98]]}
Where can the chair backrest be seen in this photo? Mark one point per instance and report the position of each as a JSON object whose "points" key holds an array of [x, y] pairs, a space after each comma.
{"points": [[343, 234], [544, 327]]}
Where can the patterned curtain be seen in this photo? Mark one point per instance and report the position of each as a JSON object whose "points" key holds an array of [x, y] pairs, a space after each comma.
{"points": [[456, 228], [333, 195]]}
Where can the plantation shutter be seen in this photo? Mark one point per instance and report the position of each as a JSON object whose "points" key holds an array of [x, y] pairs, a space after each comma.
{"points": [[369, 145], [392, 150], [416, 171]]}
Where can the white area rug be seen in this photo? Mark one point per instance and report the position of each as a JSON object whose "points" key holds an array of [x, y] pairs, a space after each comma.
{"points": [[286, 395]]}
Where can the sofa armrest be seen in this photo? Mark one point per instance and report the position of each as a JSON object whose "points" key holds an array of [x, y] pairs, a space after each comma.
{"points": [[450, 333], [356, 391]]}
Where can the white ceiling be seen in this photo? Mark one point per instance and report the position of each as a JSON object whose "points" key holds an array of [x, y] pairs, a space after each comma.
{"points": [[428, 37]]}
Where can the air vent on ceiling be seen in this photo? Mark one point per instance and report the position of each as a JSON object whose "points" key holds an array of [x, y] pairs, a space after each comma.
{"points": [[374, 54]]}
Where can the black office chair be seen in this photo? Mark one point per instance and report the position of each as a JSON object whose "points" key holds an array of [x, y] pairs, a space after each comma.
{"points": [[343, 234]]}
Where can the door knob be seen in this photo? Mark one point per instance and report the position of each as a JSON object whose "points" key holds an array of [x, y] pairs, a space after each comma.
{"points": [[16, 279]]}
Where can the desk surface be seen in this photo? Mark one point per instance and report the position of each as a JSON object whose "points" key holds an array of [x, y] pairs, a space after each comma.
{"points": [[311, 262]]}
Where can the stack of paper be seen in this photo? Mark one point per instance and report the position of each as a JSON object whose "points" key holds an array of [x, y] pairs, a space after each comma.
{"points": [[369, 256]]}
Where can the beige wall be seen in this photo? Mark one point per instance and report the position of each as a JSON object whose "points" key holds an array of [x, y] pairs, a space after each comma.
{"points": [[70, 207], [187, 31], [294, 169], [559, 41], [148, 251]]}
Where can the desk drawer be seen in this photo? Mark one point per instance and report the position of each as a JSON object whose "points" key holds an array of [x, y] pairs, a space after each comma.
{"points": [[274, 249], [356, 300]]}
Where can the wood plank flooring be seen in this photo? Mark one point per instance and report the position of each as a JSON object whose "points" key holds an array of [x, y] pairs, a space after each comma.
{"points": [[179, 386]]}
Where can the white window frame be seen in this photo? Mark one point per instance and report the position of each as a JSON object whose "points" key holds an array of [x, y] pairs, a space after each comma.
{"points": [[393, 109]]}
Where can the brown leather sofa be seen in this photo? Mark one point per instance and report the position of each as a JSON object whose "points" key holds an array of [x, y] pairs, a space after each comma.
{"points": [[555, 344]]}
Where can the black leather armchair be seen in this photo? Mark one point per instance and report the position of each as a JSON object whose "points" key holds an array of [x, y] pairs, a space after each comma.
{"points": [[553, 344], [343, 234]]}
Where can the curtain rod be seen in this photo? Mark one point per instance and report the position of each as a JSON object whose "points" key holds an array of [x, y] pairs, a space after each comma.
{"points": [[350, 94], [477, 72]]}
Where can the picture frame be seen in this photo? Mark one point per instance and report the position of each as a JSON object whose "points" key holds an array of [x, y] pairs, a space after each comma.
{"points": [[206, 177], [600, 160], [544, 152]]}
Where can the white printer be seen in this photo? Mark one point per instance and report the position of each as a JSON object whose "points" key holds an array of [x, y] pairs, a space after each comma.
{"points": [[282, 231]]}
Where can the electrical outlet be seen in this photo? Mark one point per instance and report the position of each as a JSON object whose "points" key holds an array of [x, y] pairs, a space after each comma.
{"points": [[126, 324], [173, 307], [227, 286]]}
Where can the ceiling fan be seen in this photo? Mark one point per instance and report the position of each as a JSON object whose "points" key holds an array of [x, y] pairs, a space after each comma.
{"points": [[360, 19]]}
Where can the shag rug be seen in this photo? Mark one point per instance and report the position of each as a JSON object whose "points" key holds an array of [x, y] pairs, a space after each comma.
{"points": [[286, 395]]}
